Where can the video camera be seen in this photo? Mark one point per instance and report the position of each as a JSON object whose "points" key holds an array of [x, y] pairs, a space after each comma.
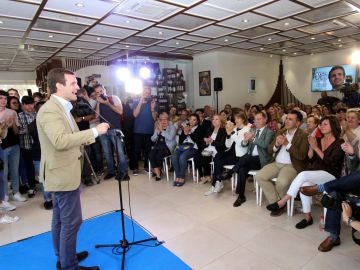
{"points": [[81, 108]]}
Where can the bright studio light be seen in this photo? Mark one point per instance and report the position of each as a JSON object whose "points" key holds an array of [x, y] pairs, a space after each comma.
{"points": [[134, 86], [355, 57], [123, 74], [144, 73]]}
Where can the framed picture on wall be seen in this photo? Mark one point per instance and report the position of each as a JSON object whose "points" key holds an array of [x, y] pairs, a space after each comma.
{"points": [[204, 83], [252, 85]]}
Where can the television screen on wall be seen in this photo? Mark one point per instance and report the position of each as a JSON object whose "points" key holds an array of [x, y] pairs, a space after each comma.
{"points": [[320, 77]]}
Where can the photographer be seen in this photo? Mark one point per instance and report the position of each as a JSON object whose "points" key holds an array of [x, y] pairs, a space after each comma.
{"points": [[83, 114]]}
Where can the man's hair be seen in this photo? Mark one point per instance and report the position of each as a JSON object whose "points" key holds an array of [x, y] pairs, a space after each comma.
{"points": [[4, 93], [98, 85], [57, 75], [298, 114], [334, 68], [38, 94], [27, 100], [263, 114], [13, 89], [200, 110]]}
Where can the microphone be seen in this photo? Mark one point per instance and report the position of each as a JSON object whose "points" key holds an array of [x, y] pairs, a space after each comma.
{"points": [[98, 114]]}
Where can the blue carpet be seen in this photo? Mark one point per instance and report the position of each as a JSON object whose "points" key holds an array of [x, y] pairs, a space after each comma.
{"points": [[37, 252]]}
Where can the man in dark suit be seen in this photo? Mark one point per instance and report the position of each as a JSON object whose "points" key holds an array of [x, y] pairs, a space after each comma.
{"points": [[60, 166], [289, 148]]}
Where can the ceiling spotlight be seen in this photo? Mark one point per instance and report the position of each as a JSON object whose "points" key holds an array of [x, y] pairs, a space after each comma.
{"points": [[128, 21], [271, 55], [245, 20], [286, 24], [177, 42], [160, 33], [295, 53], [1, 22], [79, 5], [123, 74], [312, 53], [340, 45], [261, 49], [144, 73], [339, 39], [79, 50], [51, 36], [98, 38], [127, 46], [312, 38], [226, 40], [283, 50], [269, 39]]}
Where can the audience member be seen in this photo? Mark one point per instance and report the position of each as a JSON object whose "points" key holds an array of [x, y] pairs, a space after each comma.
{"points": [[290, 148]]}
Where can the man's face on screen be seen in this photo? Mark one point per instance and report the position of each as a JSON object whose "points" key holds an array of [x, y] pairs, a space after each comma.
{"points": [[337, 78]]}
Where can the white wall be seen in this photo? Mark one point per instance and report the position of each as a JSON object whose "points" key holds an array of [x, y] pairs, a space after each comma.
{"points": [[298, 72], [18, 80], [236, 69]]}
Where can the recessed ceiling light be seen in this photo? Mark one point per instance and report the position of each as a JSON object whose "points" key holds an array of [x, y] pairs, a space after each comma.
{"points": [[312, 53], [271, 55], [160, 33], [1, 22], [128, 21], [79, 4], [127, 46], [295, 53], [226, 40], [312, 38], [261, 48], [284, 50], [79, 50], [245, 20], [339, 39], [340, 45], [177, 42], [286, 24], [51, 36], [269, 39], [98, 38], [286, 58]]}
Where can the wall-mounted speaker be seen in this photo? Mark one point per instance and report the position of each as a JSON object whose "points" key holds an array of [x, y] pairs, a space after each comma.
{"points": [[218, 84]]}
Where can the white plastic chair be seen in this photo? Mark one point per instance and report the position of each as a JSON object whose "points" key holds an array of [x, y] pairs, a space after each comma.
{"points": [[166, 163], [195, 172], [233, 178]]}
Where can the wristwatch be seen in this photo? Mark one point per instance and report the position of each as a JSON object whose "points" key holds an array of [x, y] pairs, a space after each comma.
{"points": [[349, 221]]}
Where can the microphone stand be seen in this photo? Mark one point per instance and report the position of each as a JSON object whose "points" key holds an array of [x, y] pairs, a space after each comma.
{"points": [[124, 243]]}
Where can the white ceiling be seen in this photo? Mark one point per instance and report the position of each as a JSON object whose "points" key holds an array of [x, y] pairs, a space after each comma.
{"points": [[34, 31]]}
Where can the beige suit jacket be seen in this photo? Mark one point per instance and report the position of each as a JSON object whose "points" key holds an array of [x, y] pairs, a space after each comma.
{"points": [[61, 147]]}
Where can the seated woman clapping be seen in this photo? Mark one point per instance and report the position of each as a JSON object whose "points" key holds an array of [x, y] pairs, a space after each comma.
{"points": [[164, 143], [189, 141], [326, 159]]}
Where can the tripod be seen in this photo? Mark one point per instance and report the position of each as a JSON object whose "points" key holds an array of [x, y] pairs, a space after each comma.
{"points": [[124, 244]]}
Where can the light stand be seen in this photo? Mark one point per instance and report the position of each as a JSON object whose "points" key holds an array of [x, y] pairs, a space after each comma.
{"points": [[124, 244]]}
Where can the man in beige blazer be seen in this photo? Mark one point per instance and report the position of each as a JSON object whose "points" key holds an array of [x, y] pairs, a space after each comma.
{"points": [[60, 167]]}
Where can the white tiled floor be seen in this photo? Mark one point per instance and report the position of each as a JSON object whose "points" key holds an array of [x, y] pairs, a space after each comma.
{"points": [[206, 232]]}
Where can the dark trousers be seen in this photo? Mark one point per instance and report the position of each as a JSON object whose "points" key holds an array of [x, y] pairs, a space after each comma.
{"points": [[86, 170], [29, 167], [156, 157], [96, 156], [141, 142], [205, 167], [338, 188], [221, 159], [66, 222], [245, 164]]}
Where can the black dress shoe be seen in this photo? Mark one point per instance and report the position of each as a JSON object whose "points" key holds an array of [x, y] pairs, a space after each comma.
{"points": [[278, 212], [273, 207], [227, 175], [48, 205], [126, 177], [109, 175], [239, 201], [304, 223], [88, 183], [157, 178], [79, 256]]}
